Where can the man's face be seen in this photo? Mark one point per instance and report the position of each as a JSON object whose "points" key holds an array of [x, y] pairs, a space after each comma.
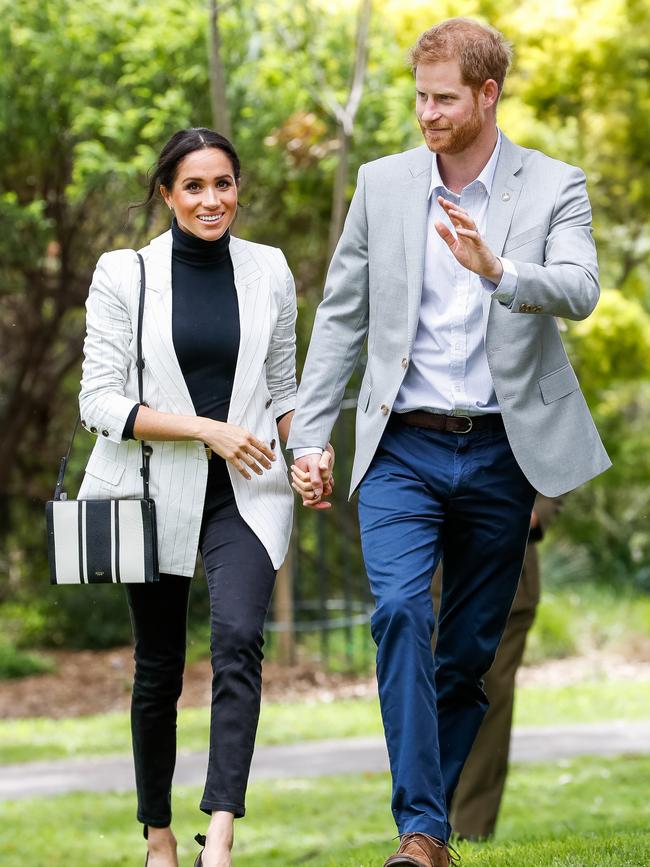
{"points": [[450, 113]]}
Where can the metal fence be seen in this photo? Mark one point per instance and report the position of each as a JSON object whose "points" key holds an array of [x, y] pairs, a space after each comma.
{"points": [[322, 604]]}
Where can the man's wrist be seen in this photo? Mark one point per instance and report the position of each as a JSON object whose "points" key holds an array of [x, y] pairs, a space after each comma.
{"points": [[495, 273]]}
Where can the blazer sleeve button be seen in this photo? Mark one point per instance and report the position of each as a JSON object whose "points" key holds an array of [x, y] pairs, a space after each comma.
{"points": [[272, 443], [384, 409], [104, 433], [93, 429]]}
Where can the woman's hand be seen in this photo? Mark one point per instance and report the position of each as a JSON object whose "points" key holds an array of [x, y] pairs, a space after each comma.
{"points": [[238, 446]]}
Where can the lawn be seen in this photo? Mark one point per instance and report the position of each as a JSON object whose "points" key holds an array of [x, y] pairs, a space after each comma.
{"points": [[581, 813], [40, 739]]}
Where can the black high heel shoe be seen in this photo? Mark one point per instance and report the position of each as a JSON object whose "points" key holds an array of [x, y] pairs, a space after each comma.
{"points": [[200, 839]]}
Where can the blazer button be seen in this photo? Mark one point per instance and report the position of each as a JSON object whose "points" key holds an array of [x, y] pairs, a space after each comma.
{"points": [[93, 429], [268, 402], [384, 409], [405, 363], [272, 443], [104, 433]]}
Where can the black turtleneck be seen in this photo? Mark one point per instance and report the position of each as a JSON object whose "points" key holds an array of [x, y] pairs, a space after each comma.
{"points": [[205, 331]]}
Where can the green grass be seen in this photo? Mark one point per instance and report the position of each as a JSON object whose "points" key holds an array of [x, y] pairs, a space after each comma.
{"points": [[580, 813], [39, 739]]}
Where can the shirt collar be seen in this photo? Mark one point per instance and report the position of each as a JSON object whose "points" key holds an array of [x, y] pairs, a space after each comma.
{"points": [[486, 177]]}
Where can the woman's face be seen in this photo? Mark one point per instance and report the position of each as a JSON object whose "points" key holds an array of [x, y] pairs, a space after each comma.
{"points": [[204, 194]]}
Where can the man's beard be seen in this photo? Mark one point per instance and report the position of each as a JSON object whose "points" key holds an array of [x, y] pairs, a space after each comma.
{"points": [[458, 138]]}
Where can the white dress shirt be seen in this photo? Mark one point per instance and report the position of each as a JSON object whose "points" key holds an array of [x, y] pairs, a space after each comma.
{"points": [[448, 369]]}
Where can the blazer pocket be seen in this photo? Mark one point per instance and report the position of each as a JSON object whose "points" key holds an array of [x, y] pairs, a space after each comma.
{"points": [[524, 237], [558, 384], [364, 396], [105, 469]]}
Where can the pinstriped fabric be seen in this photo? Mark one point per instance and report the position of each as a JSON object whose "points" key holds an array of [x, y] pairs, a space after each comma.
{"points": [[265, 370]]}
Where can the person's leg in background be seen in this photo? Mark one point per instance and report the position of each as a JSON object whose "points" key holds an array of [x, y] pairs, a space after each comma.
{"points": [[477, 799]]}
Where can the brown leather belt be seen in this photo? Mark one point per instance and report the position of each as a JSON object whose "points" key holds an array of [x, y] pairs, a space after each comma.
{"points": [[460, 424]]}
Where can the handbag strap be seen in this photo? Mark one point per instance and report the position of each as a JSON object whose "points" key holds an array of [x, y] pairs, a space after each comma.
{"points": [[146, 449], [59, 493]]}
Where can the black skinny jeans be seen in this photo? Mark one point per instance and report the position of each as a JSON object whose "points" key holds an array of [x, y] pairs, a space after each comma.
{"points": [[240, 579]]}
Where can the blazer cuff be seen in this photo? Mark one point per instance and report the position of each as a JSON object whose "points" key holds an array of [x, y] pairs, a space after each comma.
{"points": [[107, 418], [283, 405]]}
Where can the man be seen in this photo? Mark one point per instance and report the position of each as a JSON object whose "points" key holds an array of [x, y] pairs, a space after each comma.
{"points": [[454, 260], [477, 798]]}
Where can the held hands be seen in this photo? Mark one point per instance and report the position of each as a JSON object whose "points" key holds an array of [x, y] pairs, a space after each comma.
{"points": [[312, 478], [239, 447], [467, 245]]}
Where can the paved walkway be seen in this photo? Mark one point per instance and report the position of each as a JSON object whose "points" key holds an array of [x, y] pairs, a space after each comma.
{"points": [[313, 759]]}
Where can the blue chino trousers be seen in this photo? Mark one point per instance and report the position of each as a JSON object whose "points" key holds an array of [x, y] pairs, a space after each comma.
{"points": [[431, 494]]}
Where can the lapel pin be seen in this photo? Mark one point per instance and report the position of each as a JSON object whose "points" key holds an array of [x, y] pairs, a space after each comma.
{"points": [[505, 197]]}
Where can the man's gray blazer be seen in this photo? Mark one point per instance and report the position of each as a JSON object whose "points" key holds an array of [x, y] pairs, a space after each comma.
{"points": [[539, 217]]}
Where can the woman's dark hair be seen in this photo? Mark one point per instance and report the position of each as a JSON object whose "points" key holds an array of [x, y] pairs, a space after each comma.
{"points": [[182, 143]]}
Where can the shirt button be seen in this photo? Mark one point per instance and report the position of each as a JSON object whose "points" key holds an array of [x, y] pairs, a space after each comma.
{"points": [[104, 433], [268, 402], [383, 409], [405, 363]]}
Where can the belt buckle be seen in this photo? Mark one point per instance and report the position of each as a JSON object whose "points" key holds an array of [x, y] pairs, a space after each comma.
{"points": [[470, 424]]}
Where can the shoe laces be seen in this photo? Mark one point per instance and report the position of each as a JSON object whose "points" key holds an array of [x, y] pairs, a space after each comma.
{"points": [[411, 836]]}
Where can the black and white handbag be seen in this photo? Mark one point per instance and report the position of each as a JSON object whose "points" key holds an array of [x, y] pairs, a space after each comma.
{"points": [[104, 541]]}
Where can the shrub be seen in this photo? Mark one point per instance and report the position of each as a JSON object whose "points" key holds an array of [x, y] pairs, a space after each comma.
{"points": [[17, 663]]}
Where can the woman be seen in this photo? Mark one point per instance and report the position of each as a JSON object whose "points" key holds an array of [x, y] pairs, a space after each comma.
{"points": [[219, 387]]}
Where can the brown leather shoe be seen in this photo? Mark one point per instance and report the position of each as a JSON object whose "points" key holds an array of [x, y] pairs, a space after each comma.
{"points": [[420, 850]]}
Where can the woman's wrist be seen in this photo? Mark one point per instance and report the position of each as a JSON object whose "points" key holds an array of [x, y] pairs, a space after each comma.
{"points": [[203, 428]]}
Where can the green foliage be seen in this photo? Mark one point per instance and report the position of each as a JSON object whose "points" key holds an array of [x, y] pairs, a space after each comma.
{"points": [[612, 346], [553, 636], [16, 663]]}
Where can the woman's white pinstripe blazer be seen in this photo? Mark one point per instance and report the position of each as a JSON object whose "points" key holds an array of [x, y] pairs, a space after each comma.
{"points": [[264, 388]]}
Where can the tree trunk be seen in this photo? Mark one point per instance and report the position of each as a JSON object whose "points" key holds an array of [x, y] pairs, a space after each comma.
{"points": [[283, 610], [345, 126], [220, 116], [337, 217]]}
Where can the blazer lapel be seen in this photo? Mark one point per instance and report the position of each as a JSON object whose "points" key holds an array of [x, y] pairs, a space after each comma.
{"points": [[158, 342], [415, 218], [506, 188], [253, 296]]}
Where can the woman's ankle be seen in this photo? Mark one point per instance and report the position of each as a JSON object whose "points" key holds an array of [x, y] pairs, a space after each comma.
{"points": [[221, 829], [160, 838]]}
